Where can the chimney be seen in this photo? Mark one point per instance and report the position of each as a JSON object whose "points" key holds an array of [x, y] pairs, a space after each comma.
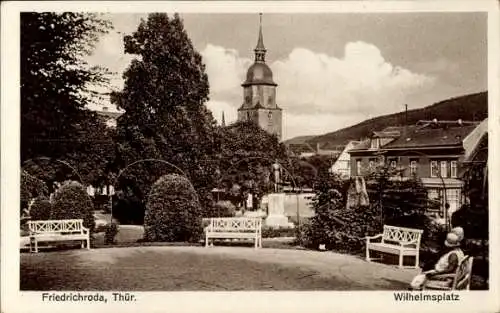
{"points": [[317, 147]]}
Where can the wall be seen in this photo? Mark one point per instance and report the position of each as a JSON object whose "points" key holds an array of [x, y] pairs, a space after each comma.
{"points": [[305, 207]]}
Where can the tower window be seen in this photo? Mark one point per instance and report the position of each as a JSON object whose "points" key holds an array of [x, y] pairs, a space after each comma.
{"points": [[248, 116]]}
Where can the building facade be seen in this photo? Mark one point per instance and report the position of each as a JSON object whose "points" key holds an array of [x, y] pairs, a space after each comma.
{"points": [[432, 151], [259, 94], [342, 165]]}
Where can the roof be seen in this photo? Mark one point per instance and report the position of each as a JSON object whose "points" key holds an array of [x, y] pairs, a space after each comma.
{"points": [[389, 132], [259, 74], [431, 137]]}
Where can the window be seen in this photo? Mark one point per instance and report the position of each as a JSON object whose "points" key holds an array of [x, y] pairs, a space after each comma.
{"points": [[393, 163], [436, 206], [434, 169], [453, 198], [444, 169], [358, 167], [453, 172], [269, 115], [371, 164], [413, 167], [375, 143]]}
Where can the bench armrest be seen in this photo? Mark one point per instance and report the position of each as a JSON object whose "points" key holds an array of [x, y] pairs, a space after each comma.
{"points": [[85, 230], [368, 238]]}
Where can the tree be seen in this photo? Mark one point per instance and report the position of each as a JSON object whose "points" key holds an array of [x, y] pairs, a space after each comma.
{"points": [[173, 212], [56, 87], [247, 153], [164, 97], [71, 201]]}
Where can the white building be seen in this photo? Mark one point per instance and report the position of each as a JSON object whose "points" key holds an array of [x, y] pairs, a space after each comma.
{"points": [[342, 165]]}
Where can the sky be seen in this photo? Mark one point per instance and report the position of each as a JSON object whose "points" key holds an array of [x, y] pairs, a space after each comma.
{"points": [[333, 70]]}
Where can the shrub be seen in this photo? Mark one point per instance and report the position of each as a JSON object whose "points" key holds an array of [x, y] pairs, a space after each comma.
{"points": [[221, 209], [269, 232], [71, 201], [173, 212], [110, 232], [41, 209]]}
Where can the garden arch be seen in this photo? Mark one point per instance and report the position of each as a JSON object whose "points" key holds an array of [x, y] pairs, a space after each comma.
{"points": [[67, 164], [120, 173], [233, 166]]}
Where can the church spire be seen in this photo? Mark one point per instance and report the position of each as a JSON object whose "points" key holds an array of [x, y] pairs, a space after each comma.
{"points": [[223, 122], [260, 50]]}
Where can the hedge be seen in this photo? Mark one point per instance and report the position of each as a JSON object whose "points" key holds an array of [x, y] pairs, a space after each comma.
{"points": [[71, 201], [173, 211]]}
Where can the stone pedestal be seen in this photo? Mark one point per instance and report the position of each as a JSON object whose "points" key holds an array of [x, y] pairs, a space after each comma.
{"points": [[276, 211]]}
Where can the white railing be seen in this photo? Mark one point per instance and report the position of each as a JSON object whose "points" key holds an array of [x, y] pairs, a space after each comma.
{"points": [[234, 228], [236, 224], [402, 234], [56, 226]]}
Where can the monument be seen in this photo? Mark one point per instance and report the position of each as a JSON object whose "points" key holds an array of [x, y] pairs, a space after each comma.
{"points": [[276, 203]]}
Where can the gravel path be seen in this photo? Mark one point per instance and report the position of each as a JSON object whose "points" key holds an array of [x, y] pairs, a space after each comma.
{"points": [[198, 268]]}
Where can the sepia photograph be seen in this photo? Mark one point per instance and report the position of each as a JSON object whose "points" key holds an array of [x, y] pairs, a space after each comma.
{"points": [[250, 151]]}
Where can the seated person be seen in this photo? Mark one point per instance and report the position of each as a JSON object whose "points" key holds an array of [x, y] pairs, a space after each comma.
{"points": [[450, 258]]}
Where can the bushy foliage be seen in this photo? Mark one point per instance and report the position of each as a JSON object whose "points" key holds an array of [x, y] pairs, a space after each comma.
{"points": [[247, 153], [343, 228], [71, 201], [173, 211], [128, 209], [41, 209], [164, 96], [57, 85], [31, 187], [221, 209], [110, 232], [271, 232]]}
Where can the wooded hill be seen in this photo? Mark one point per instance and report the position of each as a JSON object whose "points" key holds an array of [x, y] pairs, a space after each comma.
{"points": [[473, 107]]}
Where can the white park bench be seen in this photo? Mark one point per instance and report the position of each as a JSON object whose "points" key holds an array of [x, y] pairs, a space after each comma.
{"points": [[57, 230], [460, 279], [234, 228], [401, 241]]}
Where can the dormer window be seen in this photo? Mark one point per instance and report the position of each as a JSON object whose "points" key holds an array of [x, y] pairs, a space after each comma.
{"points": [[375, 143]]}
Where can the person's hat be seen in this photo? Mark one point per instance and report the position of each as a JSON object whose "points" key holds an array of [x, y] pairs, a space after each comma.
{"points": [[459, 231], [452, 240]]}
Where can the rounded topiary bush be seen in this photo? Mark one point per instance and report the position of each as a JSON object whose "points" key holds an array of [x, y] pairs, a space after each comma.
{"points": [[173, 211], [71, 201], [41, 209]]}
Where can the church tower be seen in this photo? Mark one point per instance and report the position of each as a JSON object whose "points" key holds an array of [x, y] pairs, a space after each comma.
{"points": [[259, 93]]}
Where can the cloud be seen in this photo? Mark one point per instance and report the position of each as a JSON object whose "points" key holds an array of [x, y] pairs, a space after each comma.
{"points": [[225, 69], [319, 91], [219, 107]]}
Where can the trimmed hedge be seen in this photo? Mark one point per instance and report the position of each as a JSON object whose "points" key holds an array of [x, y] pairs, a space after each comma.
{"points": [[71, 201], [173, 211], [41, 209]]}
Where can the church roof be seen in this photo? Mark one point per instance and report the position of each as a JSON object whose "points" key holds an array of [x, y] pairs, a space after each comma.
{"points": [[259, 73]]}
